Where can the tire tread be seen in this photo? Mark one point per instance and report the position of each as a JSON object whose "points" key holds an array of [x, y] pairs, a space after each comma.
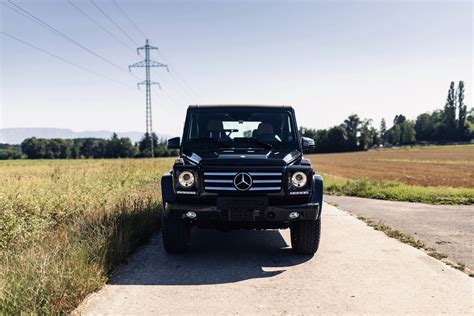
{"points": [[305, 236]]}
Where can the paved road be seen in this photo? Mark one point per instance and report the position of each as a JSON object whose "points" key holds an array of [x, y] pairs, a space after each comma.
{"points": [[446, 228], [357, 270]]}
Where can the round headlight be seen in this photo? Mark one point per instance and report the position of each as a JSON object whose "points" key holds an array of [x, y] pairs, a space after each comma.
{"points": [[186, 179], [298, 179]]}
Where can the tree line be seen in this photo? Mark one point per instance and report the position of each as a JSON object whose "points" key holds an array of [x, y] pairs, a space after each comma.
{"points": [[115, 147], [453, 123]]}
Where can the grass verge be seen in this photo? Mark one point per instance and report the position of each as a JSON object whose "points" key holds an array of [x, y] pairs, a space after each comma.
{"points": [[410, 240], [66, 225], [396, 191]]}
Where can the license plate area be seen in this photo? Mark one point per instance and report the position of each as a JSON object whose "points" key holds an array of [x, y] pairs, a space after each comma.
{"points": [[242, 204]]}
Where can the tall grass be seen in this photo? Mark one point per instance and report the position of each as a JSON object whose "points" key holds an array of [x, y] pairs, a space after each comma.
{"points": [[397, 191], [64, 225]]}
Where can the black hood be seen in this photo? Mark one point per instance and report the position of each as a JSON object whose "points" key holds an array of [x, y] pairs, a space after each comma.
{"points": [[243, 157]]}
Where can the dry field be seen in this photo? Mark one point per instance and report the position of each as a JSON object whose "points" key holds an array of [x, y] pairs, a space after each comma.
{"points": [[65, 224], [450, 166]]}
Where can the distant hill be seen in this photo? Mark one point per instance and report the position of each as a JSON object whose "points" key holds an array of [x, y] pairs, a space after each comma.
{"points": [[17, 135]]}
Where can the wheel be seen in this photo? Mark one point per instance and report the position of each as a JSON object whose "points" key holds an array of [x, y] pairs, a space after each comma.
{"points": [[176, 234], [305, 236]]}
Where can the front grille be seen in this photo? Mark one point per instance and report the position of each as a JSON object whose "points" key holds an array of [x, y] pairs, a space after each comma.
{"points": [[262, 181]]}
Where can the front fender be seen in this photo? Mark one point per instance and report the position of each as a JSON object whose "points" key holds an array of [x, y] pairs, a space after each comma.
{"points": [[317, 194], [167, 188]]}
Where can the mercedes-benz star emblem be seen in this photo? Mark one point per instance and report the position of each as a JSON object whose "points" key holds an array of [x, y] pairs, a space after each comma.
{"points": [[242, 181]]}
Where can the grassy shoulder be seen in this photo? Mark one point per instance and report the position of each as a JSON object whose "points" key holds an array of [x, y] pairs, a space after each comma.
{"points": [[64, 225], [397, 191]]}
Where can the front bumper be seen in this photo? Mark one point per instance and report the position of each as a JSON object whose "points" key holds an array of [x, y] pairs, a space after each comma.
{"points": [[212, 213]]}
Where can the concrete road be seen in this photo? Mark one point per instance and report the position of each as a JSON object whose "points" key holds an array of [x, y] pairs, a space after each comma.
{"points": [[446, 228], [357, 270]]}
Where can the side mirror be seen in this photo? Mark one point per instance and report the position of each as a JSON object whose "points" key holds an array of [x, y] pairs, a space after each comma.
{"points": [[174, 143], [308, 143]]}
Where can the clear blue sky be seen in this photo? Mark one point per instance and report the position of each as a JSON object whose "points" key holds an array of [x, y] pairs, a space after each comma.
{"points": [[327, 59]]}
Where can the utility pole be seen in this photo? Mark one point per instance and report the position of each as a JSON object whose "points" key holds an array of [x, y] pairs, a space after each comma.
{"points": [[147, 63]]}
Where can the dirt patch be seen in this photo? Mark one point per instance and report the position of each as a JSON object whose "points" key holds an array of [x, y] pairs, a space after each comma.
{"points": [[451, 166]]}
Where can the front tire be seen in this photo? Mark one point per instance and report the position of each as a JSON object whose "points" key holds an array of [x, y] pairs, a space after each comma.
{"points": [[176, 234], [305, 236]]}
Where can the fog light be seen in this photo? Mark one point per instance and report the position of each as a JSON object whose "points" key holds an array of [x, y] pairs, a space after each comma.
{"points": [[294, 215], [191, 215]]}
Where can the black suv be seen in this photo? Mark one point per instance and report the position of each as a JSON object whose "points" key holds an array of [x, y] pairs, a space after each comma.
{"points": [[241, 167]]}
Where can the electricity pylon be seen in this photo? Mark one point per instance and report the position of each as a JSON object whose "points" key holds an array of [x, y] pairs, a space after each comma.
{"points": [[147, 63]]}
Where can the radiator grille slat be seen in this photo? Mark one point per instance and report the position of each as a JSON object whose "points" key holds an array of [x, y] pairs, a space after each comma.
{"points": [[223, 181]]}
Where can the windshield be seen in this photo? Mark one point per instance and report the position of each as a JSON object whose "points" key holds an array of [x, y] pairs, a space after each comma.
{"points": [[242, 128]]}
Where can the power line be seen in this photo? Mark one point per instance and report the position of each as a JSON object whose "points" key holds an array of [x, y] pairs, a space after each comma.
{"points": [[175, 91], [129, 19], [99, 25], [47, 26], [174, 73], [25, 13], [61, 58], [114, 23], [179, 78]]}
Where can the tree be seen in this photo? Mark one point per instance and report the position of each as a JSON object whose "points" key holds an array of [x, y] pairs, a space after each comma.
{"points": [[376, 138], [383, 129], [34, 148], [144, 144], [366, 138], [462, 112], [336, 139], [470, 116], [407, 133], [352, 128], [449, 115], [424, 127], [399, 119], [470, 125], [10, 152], [393, 135], [112, 147], [119, 147]]}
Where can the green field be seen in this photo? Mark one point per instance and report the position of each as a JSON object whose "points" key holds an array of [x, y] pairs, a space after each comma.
{"points": [[397, 191], [64, 225]]}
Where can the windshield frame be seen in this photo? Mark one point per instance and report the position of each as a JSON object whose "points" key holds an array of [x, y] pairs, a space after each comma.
{"points": [[189, 144]]}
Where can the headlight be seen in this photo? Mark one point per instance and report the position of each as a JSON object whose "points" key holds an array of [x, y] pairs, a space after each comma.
{"points": [[186, 179], [298, 179]]}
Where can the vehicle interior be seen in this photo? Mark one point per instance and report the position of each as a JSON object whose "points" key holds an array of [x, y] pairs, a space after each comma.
{"points": [[234, 125]]}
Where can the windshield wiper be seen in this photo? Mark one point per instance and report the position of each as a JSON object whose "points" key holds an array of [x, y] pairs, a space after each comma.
{"points": [[212, 140], [254, 141]]}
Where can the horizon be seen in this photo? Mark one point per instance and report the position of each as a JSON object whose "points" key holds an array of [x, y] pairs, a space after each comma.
{"points": [[328, 60], [389, 121]]}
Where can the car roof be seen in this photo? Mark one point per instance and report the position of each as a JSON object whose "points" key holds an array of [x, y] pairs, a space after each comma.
{"points": [[240, 106]]}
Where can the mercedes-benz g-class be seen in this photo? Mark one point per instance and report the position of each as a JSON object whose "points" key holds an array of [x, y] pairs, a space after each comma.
{"points": [[241, 167]]}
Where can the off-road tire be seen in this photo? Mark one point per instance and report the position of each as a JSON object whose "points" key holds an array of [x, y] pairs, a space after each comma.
{"points": [[305, 236], [176, 235]]}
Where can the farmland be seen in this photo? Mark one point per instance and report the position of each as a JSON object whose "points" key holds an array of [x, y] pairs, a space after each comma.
{"points": [[64, 225], [439, 175]]}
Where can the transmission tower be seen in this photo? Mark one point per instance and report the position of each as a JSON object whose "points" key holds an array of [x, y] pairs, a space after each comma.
{"points": [[147, 63]]}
